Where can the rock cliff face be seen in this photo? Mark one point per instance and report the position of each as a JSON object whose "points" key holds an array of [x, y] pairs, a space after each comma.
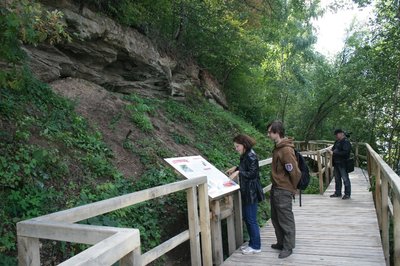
{"points": [[117, 58]]}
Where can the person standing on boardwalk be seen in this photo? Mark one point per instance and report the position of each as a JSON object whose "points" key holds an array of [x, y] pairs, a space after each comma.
{"points": [[285, 177], [341, 152], [250, 189]]}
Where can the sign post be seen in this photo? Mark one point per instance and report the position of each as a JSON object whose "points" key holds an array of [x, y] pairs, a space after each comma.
{"points": [[221, 192]]}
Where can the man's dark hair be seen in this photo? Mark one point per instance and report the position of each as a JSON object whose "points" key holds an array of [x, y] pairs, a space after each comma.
{"points": [[277, 127], [247, 141]]}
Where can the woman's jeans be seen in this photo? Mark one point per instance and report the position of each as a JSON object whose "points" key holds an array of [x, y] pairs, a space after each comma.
{"points": [[250, 218]]}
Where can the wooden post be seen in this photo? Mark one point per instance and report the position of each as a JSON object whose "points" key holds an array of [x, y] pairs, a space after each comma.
{"points": [[237, 212], [216, 233], [326, 168], [385, 219], [369, 168], [321, 181], [205, 225], [28, 251], [230, 223], [378, 197], [396, 230], [330, 166], [132, 258], [356, 155], [193, 226]]}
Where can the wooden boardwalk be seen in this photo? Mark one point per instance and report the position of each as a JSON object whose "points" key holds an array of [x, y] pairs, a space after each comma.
{"points": [[329, 231]]}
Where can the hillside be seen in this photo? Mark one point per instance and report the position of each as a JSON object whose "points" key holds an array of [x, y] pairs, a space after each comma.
{"points": [[74, 142]]}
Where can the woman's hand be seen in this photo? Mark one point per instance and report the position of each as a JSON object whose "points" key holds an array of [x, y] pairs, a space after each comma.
{"points": [[231, 170], [234, 175]]}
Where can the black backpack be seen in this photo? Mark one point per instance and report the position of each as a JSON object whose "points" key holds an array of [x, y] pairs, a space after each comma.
{"points": [[305, 173]]}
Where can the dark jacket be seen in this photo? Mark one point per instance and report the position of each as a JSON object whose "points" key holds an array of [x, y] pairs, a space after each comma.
{"points": [[285, 170], [341, 151], [249, 174]]}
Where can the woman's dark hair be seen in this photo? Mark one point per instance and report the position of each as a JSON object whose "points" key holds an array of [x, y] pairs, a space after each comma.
{"points": [[247, 141], [277, 127]]}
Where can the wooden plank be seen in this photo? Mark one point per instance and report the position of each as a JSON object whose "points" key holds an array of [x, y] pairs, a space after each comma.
{"points": [[193, 219], [388, 172], [28, 251], [321, 181], [356, 155], [225, 213], [265, 162], [76, 233], [378, 197], [230, 223], [108, 251], [267, 188], [328, 232], [237, 212], [168, 245], [216, 233], [385, 220], [205, 225], [133, 258], [94, 209], [396, 231]]}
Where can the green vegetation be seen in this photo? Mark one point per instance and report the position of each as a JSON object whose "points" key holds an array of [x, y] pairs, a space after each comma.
{"points": [[139, 110], [26, 21], [37, 178], [262, 51]]}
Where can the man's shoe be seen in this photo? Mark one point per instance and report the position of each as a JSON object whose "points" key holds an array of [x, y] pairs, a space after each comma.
{"points": [[346, 197], [334, 195], [285, 253], [250, 250], [277, 246]]}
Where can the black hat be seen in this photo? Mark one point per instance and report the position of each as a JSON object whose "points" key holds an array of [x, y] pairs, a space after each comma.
{"points": [[338, 131]]}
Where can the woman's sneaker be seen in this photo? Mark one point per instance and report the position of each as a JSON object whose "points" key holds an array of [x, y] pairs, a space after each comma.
{"points": [[250, 250], [244, 246]]}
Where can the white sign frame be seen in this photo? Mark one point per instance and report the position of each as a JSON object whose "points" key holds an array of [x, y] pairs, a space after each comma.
{"points": [[195, 166]]}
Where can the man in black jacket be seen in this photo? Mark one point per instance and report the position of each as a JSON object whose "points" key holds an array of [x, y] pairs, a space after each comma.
{"points": [[341, 152]]}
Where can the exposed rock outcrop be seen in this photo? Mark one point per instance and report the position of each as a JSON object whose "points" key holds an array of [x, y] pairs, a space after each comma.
{"points": [[118, 58]]}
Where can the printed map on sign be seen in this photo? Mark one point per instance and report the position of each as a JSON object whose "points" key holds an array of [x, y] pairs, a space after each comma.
{"points": [[196, 166]]}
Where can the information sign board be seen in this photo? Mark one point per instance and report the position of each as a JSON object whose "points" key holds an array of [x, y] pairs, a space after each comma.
{"points": [[196, 166]]}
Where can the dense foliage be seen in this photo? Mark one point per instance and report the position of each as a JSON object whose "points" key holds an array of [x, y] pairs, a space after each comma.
{"points": [[51, 160], [262, 53]]}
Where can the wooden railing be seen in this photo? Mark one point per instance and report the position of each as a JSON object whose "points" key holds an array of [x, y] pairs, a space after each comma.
{"points": [[111, 244], [122, 244], [387, 202], [386, 194], [229, 207]]}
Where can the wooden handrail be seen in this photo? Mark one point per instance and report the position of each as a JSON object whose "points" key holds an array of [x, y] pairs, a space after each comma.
{"points": [[386, 196], [386, 181], [112, 244], [324, 163]]}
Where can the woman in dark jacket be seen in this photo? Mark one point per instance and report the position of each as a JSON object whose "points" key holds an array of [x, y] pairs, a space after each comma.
{"points": [[250, 188]]}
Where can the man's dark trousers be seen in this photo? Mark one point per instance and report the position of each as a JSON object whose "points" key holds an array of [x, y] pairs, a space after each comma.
{"points": [[341, 173], [282, 217]]}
